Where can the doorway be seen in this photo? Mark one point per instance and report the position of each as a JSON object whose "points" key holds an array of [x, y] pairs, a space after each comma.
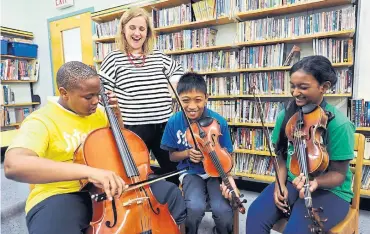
{"points": [[70, 38]]}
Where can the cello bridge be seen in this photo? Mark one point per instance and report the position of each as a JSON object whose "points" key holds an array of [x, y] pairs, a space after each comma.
{"points": [[138, 201]]}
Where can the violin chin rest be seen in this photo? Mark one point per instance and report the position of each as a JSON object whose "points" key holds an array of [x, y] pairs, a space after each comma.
{"points": [[308, 108]]}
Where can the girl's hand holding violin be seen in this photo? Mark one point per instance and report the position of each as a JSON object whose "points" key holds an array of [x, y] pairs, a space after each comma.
{"points": [[280, 200], [299, 182], [226, 192], [112, 184], [195, 155]]}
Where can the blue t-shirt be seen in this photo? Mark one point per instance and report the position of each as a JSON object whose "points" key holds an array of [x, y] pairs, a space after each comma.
{"points": [[174, 138]]}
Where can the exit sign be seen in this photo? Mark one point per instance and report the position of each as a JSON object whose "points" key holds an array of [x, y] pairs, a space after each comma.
{"points": [[61, 4]]}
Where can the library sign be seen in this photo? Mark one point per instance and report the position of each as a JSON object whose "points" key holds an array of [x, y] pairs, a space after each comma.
{"points": [[61, 4]]}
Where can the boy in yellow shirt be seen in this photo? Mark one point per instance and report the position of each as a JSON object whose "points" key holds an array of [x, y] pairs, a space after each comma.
{"points": [[42, 154]]}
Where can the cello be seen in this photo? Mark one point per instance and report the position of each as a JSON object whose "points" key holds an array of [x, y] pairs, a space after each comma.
{"points": [[136, 211]]}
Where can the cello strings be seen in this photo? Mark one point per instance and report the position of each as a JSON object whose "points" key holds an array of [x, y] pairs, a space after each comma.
{"points": [[131, 166]]}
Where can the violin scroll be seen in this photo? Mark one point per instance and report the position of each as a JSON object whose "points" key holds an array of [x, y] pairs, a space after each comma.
{"points": [[317, 226]]}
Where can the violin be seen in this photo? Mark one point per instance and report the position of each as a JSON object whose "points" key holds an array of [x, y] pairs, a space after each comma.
{"points": [[203, 135], [137, 211], [217, 161], [305, 130]]}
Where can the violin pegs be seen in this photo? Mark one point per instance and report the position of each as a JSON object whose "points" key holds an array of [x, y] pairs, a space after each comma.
{"points": [[244, 201], [241, 195]]}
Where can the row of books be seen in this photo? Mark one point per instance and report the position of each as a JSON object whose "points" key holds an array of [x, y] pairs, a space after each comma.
{"points": [[208, 61], [288, 27], [187, 39], [336, 50], [9, 116], [204, 10], [6, 95], [103, 49], [245, 111], [249, 138], [255, 57], [365, 181], [171, 16], [15, 69], [106, 29], [360, 112], [254, 164], [267, 83], [250, 5], [247, 57]]}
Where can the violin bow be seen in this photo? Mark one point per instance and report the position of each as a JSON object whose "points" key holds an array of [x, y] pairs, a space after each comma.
{"points": [[265, 132]]}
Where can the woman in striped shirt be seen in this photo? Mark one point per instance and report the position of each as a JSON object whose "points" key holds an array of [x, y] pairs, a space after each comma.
{"points": [[137, 75]]}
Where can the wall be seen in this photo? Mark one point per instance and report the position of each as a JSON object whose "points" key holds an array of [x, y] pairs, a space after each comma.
{"points": [[362, 59], [26, 15]]}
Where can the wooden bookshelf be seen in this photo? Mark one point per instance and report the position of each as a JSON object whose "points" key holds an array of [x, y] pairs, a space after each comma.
{"points": [[271, 96], [195, 25], [16, 33], [260, 69], [290, 9], [365, 192], [363, 129], [251, 124], [18, 81], [21, 104], [116, 12], [6, 56], [105, 39], [12, 125], [263, 178], [298, 39], [204, 49], [256, 152]]}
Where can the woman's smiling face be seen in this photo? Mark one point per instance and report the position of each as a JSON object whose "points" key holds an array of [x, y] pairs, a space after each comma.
{"points": [[136, 33]]}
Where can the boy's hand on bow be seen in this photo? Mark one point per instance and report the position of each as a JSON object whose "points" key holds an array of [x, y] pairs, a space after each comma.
{"points": [[195, 155], [299, 182]]}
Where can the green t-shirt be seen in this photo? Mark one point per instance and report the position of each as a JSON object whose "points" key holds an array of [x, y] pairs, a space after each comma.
{"points": [[340, 146]]}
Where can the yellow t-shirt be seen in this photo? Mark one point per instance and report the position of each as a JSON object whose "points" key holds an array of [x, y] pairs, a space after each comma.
{"points": [[55, 133]]}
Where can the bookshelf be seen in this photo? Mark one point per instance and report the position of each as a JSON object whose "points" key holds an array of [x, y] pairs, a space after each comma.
{"points": [[17, 72], [231, 19]]}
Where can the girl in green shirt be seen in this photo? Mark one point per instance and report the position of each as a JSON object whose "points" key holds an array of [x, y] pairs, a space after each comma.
{"points": [[310, 78]]}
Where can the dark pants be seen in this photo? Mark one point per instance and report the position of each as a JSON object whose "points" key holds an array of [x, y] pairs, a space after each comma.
{"points": [[152, 134], [195, 192], [263, 213], [71, 213]]}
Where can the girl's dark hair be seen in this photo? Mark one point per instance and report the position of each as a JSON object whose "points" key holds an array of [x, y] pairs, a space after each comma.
{"points": [[318, 66], [191, 81]]}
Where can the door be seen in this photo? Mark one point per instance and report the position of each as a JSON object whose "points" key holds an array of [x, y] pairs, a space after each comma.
{"points": [[70, 40]]}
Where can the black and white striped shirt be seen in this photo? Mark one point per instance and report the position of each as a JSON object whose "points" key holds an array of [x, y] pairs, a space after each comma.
{"points": [[142, 92]]}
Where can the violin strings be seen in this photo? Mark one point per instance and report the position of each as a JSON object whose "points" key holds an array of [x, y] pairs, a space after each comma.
{"points": [[217, 164]]}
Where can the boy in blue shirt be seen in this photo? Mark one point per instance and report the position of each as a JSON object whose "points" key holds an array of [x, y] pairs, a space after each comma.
{"points": [[196, 184]]}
